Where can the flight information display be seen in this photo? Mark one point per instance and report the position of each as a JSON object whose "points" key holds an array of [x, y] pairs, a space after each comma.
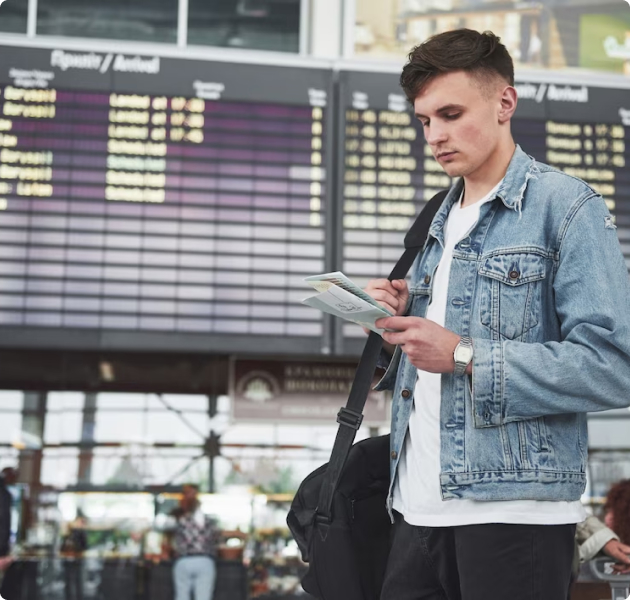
{"points": [[158, 203], [389, 172]]}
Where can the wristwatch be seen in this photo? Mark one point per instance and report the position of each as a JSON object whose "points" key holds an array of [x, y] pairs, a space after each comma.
{"points": [[462, 355]]}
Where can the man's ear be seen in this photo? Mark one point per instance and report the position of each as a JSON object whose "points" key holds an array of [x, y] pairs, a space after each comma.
{"points": [[508, 102]]}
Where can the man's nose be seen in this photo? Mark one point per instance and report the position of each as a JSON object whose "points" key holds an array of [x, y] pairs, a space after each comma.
{"points": [[435, 134]]}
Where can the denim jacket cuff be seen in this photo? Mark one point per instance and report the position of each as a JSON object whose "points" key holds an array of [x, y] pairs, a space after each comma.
{"points": [[385, 361], [487, 383]]}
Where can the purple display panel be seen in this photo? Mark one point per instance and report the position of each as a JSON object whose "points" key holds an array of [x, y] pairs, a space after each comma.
{"points": [[148, 213]]}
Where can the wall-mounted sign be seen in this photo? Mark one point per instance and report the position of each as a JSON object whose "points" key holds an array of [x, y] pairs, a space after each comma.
{"points": [[298, 391]]}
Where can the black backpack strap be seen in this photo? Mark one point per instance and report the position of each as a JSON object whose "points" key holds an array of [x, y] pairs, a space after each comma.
{"points": [[351, 416]]}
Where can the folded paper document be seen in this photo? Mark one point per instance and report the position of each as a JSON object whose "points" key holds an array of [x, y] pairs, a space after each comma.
{"points": [[340, 297]]}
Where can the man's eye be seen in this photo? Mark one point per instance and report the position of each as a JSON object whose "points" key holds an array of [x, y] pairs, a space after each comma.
{"points": [[452, 116]]}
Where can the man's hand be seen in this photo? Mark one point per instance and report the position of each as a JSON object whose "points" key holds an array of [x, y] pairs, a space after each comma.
{"points": [[429, 346], [5, 561], [621, 553], [392, 295]]}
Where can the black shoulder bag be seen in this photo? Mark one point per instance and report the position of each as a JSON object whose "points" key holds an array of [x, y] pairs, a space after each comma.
{"points": [[338, 516]]}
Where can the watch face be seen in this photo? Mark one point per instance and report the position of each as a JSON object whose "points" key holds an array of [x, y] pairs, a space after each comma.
{"points": [[463, 354]]}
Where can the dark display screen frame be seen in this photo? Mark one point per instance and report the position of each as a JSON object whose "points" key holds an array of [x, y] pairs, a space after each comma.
{"points": [[307, 88]]}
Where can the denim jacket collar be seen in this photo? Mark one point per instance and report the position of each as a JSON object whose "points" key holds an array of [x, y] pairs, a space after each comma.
{"points": [[521, 169]]}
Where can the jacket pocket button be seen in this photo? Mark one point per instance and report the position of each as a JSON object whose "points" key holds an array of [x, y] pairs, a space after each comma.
{"points": [[427, 279], [514, 275], [394, 455], [405, 394]]}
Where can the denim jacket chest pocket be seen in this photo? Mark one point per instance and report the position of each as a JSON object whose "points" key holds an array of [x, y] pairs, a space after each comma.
{"points": [[511, 291]]}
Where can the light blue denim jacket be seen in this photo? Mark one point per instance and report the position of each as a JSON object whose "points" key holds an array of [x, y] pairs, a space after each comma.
{"points": [[542, 288]]}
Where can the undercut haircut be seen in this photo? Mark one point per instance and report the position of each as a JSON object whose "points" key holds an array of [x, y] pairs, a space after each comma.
{"points": [[480, 54]]}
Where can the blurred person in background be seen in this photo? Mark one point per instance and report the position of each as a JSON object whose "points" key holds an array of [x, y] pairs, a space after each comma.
{"points": [[594, 537], [617, 509], [195, 546], [8, 477], [72, 548]]}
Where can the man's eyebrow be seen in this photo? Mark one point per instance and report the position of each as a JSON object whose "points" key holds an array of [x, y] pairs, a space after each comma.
{"points": [[441, 110]]}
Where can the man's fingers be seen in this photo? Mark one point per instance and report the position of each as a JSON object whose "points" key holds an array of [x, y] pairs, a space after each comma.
{"points": [[399, 284], [388, 307], [396, 338], [397, 323], [385, 298], [381, 284]]}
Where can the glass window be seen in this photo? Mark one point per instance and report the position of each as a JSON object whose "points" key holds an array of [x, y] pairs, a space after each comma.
{"points": [[119, 426], [145, 419], [554, 34], [61, 401], [64, 417], [136, 465], [10, 415], [13, 16], [140, 20], [60, 467], [256, 24], [11, 400], [112, 400], [102, 508], [163, 426]]}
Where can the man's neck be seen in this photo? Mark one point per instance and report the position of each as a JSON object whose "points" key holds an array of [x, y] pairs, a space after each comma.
{"points": [[481, 182]]}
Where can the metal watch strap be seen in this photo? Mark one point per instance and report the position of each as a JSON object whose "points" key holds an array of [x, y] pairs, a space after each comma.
{"points": [[460, 367]]}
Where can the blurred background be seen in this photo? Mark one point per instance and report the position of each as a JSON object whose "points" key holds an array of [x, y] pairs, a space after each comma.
{"points": [[170, 171]]}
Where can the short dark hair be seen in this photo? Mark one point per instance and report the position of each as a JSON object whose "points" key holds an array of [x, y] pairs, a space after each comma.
{"points": [[481, 54]]}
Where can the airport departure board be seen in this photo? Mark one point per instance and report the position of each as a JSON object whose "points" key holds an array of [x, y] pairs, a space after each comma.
{"points": [[160, 204], [389, 171], [153, 203]]}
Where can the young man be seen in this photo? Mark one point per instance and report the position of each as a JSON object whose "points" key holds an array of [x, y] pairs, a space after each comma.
{"points": [[516, 323]]}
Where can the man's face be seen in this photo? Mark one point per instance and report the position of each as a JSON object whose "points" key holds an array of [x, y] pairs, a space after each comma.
{"points": [[461, 123], [189, 497]]}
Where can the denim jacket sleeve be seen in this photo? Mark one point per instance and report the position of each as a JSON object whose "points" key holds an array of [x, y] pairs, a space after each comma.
{"points": [[390, 364], [589, 369]]}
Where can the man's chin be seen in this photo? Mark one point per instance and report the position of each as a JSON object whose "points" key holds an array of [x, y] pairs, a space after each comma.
{"points": [[453, 170]]}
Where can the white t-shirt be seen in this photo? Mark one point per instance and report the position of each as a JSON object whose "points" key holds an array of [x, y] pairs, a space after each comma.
{"points": [[417, 491]]}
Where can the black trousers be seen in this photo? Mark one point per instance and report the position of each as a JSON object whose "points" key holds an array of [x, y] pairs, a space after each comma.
{"points": [[479, 562]]}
